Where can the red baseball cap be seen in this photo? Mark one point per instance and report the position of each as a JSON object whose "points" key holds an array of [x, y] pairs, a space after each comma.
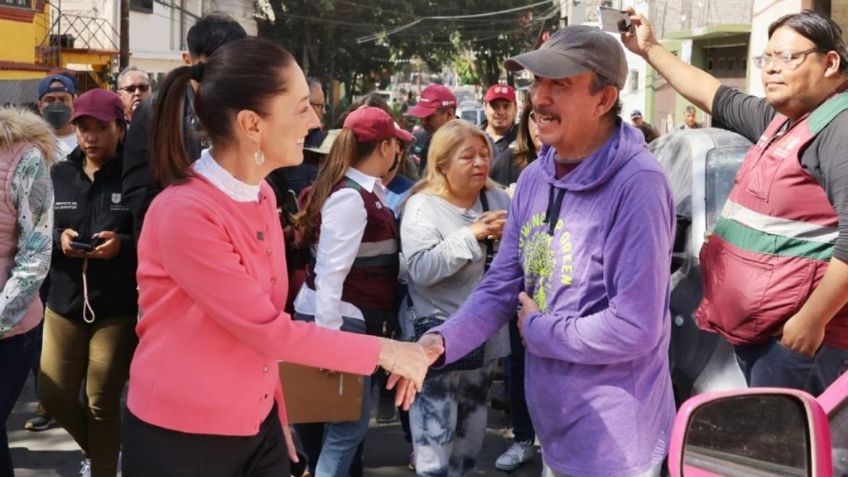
{"points": [[432, 98], [370, 124], [500, 91], [100, 104]]}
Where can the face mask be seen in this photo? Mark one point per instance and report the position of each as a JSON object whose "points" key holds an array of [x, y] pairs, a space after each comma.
{"points": [[57, 114]]}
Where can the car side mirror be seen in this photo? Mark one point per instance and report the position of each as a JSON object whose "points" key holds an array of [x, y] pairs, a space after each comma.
{"points": [[755, 432]]}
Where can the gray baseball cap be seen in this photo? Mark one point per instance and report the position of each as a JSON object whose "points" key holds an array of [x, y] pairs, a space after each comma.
{"points": [[573, 50]]}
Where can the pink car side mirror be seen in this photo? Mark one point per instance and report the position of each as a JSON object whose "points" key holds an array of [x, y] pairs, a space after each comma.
{"points": [[760, 431]]}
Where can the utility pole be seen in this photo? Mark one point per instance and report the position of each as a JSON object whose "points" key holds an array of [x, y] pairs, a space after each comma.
{"points": [[125, 33], [304, 60], [182, 23]]}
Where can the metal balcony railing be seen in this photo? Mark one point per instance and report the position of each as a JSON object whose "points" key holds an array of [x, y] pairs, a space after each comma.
{"points": [[79, 31], [72, 31]]}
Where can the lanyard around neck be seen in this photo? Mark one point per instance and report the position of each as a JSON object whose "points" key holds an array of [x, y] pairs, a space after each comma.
{"points": [[490, 244], [554, 207]]}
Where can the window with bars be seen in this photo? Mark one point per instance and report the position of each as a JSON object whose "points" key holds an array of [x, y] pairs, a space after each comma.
{"points": [[16, 3], [144, 6]]}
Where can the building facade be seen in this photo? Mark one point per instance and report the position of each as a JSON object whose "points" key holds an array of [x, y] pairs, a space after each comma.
{"points": [[23, 26], [718, 36], [82, 38], [158, 27]]}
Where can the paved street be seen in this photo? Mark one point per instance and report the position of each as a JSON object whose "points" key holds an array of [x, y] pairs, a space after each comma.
{"points": [[52, 453]]}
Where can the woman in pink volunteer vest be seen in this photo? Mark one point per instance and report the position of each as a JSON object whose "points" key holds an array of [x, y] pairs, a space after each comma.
{"points": [[27, 148]]}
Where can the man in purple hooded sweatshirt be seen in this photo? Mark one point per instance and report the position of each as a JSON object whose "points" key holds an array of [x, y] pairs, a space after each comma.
{"points": [[586, 252]]}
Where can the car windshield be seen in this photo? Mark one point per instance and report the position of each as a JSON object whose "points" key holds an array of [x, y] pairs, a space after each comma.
{"points": [[722, 164], [471, 115], [462, 96]]}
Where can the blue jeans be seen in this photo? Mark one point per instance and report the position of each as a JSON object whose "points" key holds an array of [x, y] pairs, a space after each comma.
{"points": [[340, 438], [773, 365], [16, 356], [522, 426], [36, 358]]}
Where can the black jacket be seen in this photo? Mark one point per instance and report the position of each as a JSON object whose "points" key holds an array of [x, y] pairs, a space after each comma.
{"points": [[505, 141], [139, 188], [90, 207], [503, 170]]}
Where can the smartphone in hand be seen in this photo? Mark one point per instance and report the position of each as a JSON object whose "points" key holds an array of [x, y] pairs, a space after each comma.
{"points": [[614, 20], [85, 246], [81, 246]]}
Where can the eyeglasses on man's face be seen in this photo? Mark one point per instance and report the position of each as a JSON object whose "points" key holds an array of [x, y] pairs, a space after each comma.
{"points": [[131, 88], [788, 60], [319, 106]]}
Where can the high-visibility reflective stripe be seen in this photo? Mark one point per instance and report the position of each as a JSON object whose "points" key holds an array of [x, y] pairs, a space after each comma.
{"points": [[372, 249], [824, 114], [779, 226], [761, 242]]}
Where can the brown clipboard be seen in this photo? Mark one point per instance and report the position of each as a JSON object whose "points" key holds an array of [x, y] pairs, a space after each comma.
{"points": [[315, 395]]}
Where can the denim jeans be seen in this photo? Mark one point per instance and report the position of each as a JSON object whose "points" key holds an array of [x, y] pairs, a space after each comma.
{"points": [[774, 365], [16, 355], [522, 426], [36, 358], [340, 439]]}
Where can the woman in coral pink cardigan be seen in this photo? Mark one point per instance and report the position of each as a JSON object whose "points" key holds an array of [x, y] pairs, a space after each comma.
{"points": [[205, 397]]}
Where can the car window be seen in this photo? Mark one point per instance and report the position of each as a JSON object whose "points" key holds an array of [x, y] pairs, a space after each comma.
{"points": [[462, 96], [839, 439], [472, 116], [722, 164]]}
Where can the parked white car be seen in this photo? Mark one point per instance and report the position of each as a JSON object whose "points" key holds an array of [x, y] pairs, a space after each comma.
{"points": [[471, 111], [701, 165]]}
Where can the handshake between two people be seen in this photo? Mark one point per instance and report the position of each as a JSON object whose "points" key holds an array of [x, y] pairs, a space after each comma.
{"points": [[408, 364]]}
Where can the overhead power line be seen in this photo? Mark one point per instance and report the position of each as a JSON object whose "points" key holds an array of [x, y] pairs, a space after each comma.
{"points": [[376, 36], [379, 9], [489, 14], [475, 30], [353, 26]]}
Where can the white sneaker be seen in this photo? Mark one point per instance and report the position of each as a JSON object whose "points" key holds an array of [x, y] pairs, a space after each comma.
{"points": [[86, 468], [517, 454]]}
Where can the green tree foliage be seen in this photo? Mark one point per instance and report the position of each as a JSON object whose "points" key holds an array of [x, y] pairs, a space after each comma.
{"points": [[326, 35], [466, 71], [322, 35], [492, 40]]}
